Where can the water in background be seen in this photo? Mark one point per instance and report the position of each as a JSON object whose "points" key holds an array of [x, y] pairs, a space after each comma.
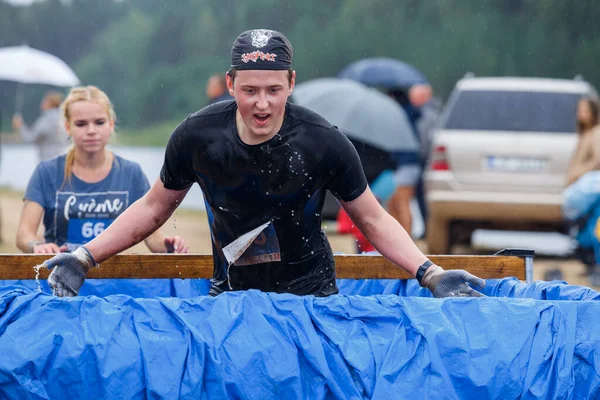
{"points": [[18, 162]]}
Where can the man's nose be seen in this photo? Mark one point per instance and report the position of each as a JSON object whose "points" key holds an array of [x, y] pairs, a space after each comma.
{"points": [[262, 103]]}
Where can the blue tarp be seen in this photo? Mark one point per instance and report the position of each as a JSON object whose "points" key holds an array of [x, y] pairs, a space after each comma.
{"points": [[259, 346], [186, 288]]}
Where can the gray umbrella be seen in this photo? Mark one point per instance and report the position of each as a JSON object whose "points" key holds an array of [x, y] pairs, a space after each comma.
{"points": [[360, 112]]}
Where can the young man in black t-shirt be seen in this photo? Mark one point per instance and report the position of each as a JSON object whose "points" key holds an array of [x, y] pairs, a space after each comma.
{"points": [[264, 167]]}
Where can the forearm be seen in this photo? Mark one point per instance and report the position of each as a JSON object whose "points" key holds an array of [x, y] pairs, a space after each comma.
{"points": [[134, 225], [393, 242], [27, 134], [31, 216], [581, 169], [156, 242], [26, 240]]}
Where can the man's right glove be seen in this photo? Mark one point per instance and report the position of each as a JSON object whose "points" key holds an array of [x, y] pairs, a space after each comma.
{"points": [[453, 283], [70, 270]]}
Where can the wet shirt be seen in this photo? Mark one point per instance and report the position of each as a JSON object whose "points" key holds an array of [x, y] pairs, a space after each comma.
{"points": [[280, 183], [77, 212]]}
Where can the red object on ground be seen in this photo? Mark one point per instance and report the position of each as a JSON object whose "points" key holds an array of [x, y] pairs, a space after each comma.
{"points": [[345, 225]]}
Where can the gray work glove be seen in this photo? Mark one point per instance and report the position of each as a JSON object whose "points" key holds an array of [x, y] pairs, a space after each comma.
{"points": [[452, 283], [70, 270]]}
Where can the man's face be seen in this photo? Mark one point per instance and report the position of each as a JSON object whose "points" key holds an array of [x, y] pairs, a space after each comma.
{"points": [[261, 97]]}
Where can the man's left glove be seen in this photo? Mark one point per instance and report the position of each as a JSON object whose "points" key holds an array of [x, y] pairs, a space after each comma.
{"points": [[452, 283], [70, 270]]}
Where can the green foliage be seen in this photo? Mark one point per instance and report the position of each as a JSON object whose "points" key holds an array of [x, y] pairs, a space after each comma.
{"points": [[153, 57]]}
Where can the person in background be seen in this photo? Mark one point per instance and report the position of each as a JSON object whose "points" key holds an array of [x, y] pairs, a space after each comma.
{"points": [[80, 193], [587, 152], [580, 195], [47, 132], [408, 168], [430, 108], [411, 181], [216, 89]]}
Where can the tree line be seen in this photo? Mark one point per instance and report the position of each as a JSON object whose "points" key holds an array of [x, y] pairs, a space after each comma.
{"points": [[153, 57]]}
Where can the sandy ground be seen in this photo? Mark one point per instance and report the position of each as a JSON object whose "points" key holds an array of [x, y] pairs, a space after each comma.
{"points": [[193, 226]]}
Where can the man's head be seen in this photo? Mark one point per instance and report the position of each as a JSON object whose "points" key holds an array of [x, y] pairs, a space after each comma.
{"points": [[261, 79], [52, 99], [420, 94], [216, 86]]}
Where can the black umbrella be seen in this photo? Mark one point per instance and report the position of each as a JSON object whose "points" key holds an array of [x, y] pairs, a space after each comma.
{"points": [[384, 72]]}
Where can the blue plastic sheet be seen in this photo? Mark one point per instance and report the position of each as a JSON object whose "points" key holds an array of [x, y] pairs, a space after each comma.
{"points": [[260, 346], [186, 288]]}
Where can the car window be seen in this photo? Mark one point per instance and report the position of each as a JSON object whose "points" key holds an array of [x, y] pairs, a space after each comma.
{"points": [[513, 111]]}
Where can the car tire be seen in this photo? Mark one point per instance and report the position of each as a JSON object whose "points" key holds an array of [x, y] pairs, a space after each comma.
{"points": [[438, 235]]}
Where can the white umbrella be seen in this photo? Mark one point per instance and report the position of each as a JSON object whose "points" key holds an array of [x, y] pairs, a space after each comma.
{"points": [[26, 65]]}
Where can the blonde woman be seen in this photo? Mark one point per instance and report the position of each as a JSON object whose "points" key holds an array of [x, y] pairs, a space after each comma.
{"points": [[80, 194]]}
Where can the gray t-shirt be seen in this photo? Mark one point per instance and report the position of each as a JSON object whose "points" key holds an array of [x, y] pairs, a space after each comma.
{"points": [[48, 134], [76, 212]]}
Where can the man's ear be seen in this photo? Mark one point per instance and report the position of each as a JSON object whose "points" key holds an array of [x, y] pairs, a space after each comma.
{"points": [[229, 80], [292, 83]]}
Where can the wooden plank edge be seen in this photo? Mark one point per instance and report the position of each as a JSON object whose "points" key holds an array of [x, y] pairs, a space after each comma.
{"points": [[191, 266]]}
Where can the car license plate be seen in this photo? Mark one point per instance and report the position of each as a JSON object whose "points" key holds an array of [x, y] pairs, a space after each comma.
{"points": [[515, 164]]}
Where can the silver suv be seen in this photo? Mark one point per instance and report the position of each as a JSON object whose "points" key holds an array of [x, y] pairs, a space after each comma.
{"points": [[499, 157]]}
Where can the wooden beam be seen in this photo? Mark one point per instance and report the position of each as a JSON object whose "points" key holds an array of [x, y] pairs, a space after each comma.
{"points": [[188, 266]]}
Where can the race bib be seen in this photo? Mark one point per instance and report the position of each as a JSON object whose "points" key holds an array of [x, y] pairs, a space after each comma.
{"points": [[87, 215], [264, 249], [81, 231]]}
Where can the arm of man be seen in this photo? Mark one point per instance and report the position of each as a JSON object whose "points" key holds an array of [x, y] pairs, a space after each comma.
{"points": [[138, 222], [395, 244], [384, 232], [134, 225]]}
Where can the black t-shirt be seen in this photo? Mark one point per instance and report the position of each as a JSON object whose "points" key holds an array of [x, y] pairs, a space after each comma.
{"points": [[283, 180]]}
